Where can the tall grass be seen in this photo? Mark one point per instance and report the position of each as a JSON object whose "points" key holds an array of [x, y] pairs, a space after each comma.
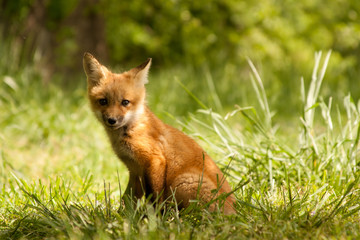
{"points": [[60, 179]]}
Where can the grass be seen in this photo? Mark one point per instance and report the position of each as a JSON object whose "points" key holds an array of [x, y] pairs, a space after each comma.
{"points": [[296, 178]]}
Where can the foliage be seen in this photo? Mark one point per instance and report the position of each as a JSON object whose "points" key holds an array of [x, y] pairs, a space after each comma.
{"points": [[279, 36]]}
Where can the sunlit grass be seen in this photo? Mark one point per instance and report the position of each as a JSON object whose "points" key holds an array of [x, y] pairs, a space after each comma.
{"points": [[59, 177]]}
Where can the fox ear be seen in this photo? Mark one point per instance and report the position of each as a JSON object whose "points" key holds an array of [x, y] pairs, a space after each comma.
{"points": [[93, 69], [141, 72]]}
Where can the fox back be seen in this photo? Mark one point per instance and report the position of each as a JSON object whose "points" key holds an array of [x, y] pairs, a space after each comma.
{"points": [[162, 161]]}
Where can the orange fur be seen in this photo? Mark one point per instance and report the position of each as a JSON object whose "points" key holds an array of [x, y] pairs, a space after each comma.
{"points": [[161, 159]]}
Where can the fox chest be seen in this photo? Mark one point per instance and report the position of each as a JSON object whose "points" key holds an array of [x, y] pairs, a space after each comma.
{"points": [[127, 154], [138, 151]]}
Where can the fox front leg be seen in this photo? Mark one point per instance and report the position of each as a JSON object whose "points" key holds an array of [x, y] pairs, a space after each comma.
{"points": [[155, 176], [134, 190]]}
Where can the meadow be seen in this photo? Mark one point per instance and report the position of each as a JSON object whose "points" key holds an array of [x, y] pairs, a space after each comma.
{"points": [[296, 176]]}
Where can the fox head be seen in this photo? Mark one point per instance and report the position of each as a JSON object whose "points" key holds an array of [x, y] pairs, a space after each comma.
{"points": [[116, 99]]}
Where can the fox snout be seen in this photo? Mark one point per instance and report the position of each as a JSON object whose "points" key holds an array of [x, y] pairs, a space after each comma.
{"points": [[113, 122]]}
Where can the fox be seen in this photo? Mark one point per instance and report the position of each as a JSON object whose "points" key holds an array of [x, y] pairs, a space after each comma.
{"points": [[163, 162]]}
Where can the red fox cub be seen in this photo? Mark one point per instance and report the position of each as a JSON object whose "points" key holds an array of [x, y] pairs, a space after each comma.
{"points": [[162, 161]]}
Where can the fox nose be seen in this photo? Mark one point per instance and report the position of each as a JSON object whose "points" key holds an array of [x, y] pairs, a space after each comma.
{"points": [[111, 121]]}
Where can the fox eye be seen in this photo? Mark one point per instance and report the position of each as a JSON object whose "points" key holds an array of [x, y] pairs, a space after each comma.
{"points": [[103, 101], [125, 102]]}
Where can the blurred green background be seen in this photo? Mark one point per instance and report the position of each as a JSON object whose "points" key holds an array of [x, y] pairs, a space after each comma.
{"points": [[297, 175], [202, 38]]}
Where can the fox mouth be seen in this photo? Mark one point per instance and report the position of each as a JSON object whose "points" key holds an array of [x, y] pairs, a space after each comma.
{"points": [[113, 127]]}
